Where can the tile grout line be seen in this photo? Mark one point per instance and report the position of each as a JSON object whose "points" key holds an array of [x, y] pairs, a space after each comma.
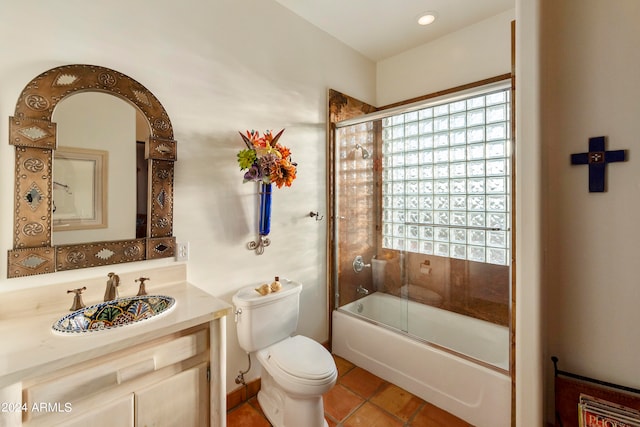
{"points": [[382, 385], [415, 415], [364, 399]]}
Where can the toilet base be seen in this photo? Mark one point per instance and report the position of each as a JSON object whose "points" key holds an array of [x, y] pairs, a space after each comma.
{"points": [[284, 410]]}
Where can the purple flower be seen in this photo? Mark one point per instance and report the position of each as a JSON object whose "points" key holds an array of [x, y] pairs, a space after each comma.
{"points": [[253, 174]]}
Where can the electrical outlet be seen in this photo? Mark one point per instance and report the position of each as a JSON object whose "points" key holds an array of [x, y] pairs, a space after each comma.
{"points": [[182, 252]]}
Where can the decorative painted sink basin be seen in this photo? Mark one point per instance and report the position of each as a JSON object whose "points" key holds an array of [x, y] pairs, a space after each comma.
{"points": [[114, 314]]}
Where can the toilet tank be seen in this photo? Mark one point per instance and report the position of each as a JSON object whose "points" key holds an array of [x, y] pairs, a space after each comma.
{"points": [[265, 320]]}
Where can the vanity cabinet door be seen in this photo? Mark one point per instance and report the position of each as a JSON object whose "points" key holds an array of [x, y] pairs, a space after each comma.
{"points": [[181, 400], [117, 413], [162, 382]]}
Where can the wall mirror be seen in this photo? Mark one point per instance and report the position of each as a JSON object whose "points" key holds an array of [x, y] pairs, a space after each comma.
{"points": [[94, 162]]}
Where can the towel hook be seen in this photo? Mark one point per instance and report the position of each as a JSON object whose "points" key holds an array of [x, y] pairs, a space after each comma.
{"points": [[316, 215]]}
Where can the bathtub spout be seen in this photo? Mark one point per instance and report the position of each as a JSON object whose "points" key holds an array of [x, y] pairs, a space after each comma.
{"points": [[362, 290]]}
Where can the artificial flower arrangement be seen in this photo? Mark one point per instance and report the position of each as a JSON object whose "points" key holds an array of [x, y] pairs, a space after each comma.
{"points": [[265, 160]]}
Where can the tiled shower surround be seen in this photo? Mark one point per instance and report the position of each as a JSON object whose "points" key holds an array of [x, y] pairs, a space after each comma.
{"points": [[372, 217]]}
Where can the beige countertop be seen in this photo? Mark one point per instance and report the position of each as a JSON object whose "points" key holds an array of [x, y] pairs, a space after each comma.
{"points": [[28, 345]]}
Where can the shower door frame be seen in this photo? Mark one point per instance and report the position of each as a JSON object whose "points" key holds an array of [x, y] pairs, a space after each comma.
{"points": [[343, 107], [340, 107]]}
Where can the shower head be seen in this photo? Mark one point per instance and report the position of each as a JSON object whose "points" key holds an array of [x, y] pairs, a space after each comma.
{"points": [[365, 152]]}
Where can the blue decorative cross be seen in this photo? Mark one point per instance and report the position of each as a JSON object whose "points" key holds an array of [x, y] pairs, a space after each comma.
{"points": [[597, 159]]}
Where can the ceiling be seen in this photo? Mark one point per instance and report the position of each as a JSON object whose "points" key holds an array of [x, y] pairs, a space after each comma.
{"points": [[380, 29]]}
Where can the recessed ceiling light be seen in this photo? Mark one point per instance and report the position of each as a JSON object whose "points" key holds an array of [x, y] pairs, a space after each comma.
{"points": [[426, 18]]}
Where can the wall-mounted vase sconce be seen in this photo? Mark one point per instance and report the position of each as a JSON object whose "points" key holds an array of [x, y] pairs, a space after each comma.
{"points": [[265, 161], [265, 221]]}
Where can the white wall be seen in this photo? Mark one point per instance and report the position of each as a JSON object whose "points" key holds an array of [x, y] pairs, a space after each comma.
{"points": [[591, 87], [528, 204], [218, 67], [473, 53]]}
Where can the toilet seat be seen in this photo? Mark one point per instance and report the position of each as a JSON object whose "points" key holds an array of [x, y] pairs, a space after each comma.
{"points": [[301, 360], [303, 357]]}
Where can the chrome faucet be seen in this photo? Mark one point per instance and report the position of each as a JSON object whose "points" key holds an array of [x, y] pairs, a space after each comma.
{"points": [[111, 292], [362, 290]]}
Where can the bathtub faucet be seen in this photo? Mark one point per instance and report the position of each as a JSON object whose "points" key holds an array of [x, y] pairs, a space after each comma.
{"points": [[358, 264], [362, 290]]}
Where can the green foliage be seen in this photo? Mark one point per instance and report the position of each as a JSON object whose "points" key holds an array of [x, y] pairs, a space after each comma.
{"points": [[246, 158]]}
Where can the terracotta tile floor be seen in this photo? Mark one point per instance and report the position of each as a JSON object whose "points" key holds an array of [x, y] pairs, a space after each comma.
{"points": [[360, 399]]}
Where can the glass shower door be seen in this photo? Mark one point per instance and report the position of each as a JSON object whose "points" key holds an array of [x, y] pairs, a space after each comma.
{"points": [[368, 280]]}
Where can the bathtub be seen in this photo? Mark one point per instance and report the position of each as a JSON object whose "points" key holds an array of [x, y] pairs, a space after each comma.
{"points": [[474, 392]]}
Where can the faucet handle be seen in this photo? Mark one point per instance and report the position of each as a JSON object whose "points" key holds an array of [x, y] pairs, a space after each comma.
{"points": [[77, 298], [142, 290], [358, 264]]}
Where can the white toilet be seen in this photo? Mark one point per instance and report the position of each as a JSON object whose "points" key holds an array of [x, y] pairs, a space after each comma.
{"points": [[296, 370]]}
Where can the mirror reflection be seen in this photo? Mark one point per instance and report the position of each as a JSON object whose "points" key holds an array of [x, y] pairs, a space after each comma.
{"points": [[99, 170]]}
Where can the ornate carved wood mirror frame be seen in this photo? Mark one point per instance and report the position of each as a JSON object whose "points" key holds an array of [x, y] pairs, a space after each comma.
{"points": [[33, 134]]}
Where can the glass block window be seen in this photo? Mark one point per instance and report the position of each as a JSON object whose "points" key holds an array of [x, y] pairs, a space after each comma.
{"points": [[446, 180]]}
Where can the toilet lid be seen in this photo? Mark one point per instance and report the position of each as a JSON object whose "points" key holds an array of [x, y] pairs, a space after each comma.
{"points": [[302, 357]]}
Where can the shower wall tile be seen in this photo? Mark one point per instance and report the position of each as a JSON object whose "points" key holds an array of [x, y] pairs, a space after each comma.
{"points": [[470, 288]]}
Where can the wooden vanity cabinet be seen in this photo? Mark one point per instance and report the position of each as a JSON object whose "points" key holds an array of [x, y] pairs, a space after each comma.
{"points": [[181, 398], [162, 382], [119, 413]]}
